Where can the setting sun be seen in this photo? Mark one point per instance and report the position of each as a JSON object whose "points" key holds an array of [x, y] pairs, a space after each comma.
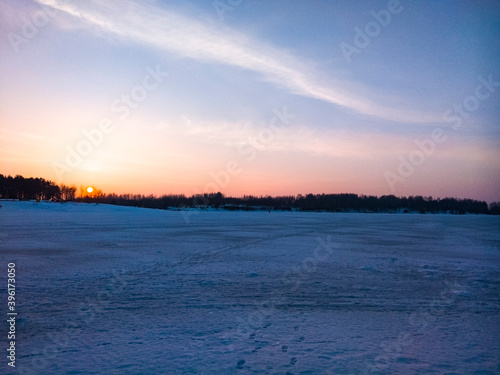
{"points": [[90, 189]]}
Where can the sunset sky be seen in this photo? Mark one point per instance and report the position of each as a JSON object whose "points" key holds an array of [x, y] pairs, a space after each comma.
{"points": [[253, 97]]}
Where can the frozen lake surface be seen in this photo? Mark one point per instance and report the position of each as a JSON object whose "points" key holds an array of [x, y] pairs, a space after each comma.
{"points": [[120, 290]]}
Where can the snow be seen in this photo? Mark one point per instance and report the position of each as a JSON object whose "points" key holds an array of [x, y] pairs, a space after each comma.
{"points": [[121, 290]]}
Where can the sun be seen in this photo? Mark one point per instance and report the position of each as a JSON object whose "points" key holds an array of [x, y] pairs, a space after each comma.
{"points": [[90, 189]]}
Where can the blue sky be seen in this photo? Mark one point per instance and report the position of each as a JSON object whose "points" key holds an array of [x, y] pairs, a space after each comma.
{"points": [[353, 122]]}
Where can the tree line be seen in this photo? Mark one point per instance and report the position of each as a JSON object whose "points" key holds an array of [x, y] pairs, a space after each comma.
{"points": [[309, 202], [31, 188], [22, 188]]}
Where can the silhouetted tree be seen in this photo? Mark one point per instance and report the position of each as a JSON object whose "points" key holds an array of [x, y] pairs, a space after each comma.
{"points": [[28, 188], [19, 187]]}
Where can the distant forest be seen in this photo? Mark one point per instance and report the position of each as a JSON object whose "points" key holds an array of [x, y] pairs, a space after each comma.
{"points": [[22, 188]]}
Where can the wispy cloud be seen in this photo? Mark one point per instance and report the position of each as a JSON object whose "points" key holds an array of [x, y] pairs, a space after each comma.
{"points": [[300, 138], [26, 137], [334, 143], [150, 25]]}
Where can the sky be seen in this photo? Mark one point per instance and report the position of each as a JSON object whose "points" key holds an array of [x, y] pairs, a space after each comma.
{"points": [[253, 97]]}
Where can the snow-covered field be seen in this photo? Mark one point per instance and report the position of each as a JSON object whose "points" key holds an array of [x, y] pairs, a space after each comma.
{"points": [[119, 290]]}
